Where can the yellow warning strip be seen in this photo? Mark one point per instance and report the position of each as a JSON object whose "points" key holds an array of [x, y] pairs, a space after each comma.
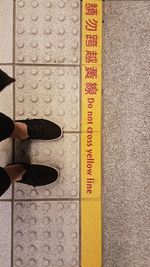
{"points": [[91, 239]]}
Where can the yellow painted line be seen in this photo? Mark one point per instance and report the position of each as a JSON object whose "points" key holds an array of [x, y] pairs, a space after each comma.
{"points": [[91, 239]]}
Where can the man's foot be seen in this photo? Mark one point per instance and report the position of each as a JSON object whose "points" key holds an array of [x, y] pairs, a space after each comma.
{"points": [[32, 174], [37, 129]]}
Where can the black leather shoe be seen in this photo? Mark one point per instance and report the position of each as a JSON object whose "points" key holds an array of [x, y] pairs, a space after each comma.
{"points": [[42, 129], [5, 80], [37, 175]]}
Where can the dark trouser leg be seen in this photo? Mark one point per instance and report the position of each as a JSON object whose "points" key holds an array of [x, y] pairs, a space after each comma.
{"points": [[5, 181], [6, 126]]}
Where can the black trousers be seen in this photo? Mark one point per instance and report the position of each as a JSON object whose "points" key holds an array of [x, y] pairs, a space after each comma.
{"points": [[6, 128]]}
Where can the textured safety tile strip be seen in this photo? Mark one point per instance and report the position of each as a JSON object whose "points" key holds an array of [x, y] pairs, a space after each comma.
{"points": [[63, 154], [48, 32], [46, 234], [50, 93]]}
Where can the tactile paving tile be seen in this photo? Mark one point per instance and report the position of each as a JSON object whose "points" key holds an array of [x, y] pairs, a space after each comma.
{"points": [[63, 154], [48, 32], [46, 234], [50, 93]]}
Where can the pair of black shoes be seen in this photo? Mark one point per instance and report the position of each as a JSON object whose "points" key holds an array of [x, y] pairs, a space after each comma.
{"points": [[38, 175]]}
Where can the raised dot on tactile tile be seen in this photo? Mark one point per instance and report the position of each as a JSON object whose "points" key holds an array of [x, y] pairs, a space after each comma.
{"points": [[74, 165], [19, 220], [32, 249], [32, 262], [19, 193], [47, 44], [61, 112], [19, 234], [47, 192], [61, 72], [74, 112], [33, 206], [34, 58], [20, 17], [20, 113], [74, 59], [20, 71], [61, 4], [34, 98], [75, 86], [74, 152], [34, 112], [61, 86], [60, 152], [48, 4], [32, 234], [61, 17], [46, 249], [74, 45], [20, 30], [19, 262], [60, 234], [48, 99], [74, 193], [61, 45], [34, 4], [75, 31], [34, 17], [21, 3], [47, 58], [47, 18], [74, 235], [75, 4], [20, 85], [74, 99], [74, 179], [47, 112], [74, 262], [34, 85], [47, 85], [61, 31], [47, 30], [73, 220], [60, 206], [34, 30], [47, 71], [73, 206], [60, 262], [74, 18], [61, 59], [46, 234], [19, 249], [33, 192], [46, 262], [20, 98], [60, 220], [34, 71], [19, 206], [20, 44], [74, 126], [74, 138], [20, 58], [34, 44], [60, 193]]}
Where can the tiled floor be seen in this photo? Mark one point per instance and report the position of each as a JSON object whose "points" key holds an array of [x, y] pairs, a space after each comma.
{"points": [[41, 49]]}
